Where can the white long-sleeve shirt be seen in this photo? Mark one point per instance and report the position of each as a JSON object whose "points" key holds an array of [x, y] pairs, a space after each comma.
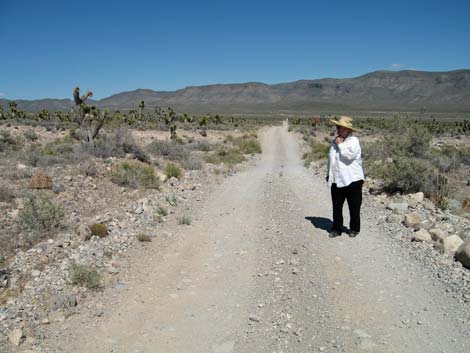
{"points": [[345, 162]]}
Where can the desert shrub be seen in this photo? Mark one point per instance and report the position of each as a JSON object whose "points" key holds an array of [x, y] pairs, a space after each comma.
{"points": [[85, 276], [30, 135], [172, 170], [192, 163], [230, 156], [40, 214], [250, 146], [7, 194], [172, 200], [184, 220], [99, 230], [144, 238], [203, 145], [134, 174], [171, 150], [162, 211], [7, 141], [117, 143], [58, 147], [405, 175], [318, 150], [88, 168]]}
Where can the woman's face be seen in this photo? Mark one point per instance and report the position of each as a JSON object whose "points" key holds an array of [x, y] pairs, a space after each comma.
{"points": [[342, 131]]}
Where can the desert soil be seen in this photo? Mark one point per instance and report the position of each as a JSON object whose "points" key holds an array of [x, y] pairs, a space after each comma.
{"points": [[256, 272]]}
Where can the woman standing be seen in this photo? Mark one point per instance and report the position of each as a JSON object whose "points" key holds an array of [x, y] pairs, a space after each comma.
{"points": [[345, 177]]}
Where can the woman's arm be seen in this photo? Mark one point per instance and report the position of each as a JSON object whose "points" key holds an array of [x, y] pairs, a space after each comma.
{"points": [[349, 149]]}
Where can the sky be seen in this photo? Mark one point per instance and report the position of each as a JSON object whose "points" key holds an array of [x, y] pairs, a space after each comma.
{"points": [[49, 47]]}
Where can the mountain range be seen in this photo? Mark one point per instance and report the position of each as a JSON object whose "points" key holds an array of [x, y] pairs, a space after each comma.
{"points": [[405, 90]]}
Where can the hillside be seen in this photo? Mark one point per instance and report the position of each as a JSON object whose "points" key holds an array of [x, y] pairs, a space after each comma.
{"points": [[379, 90]]}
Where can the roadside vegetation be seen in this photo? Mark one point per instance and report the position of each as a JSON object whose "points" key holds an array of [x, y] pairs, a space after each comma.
{"points": [[403, 154]]}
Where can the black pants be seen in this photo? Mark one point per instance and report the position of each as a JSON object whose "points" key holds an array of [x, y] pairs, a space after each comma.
{"points": [[352, 193]]}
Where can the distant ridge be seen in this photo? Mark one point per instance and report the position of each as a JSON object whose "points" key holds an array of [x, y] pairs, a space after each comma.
{"points": [[379, 90]]}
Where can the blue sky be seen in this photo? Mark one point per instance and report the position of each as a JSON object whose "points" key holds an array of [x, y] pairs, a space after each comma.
{"points": [[49, 47]]}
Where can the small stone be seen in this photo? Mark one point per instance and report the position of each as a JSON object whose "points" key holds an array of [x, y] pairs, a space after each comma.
{"points": [[254, 318]]}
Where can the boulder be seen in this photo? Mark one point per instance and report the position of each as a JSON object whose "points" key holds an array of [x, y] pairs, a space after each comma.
{"points": [[398, 207], [83, 232], [452, 243], [16, 337], [463, 254], [422, 235], [412, 219], [40, 180]]}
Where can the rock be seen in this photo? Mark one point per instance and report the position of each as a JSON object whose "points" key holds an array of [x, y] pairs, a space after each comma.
{"points": [[451, 244], [463, 254], [412, 219], [437, 234], [466, 204], [398, 208], [57, 188], [83, 232], [394, 218], [417, 198], [426, 224], [422, 235], [21, 167], [16, 337], [453, 204], [40, 180]]}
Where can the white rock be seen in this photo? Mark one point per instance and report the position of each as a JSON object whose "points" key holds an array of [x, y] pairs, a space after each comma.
{"points": [[422, 235], [452, 243], [16, 337], [438, 235], [412, 219]]}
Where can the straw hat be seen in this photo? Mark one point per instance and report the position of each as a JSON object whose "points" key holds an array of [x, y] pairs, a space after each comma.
{"points": [[344, 121]]}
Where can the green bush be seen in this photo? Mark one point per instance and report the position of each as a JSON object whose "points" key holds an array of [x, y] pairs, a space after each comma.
{"points": [[99, 230], [227, 156], [134, 174], [250, 146], [406, 175], [85, 276], [184, 220], [318, 150], [172, 170], [40, 214], [171, 150], [30, 135], [7, 141], [7, 194], [144, 238], [162, 211]]}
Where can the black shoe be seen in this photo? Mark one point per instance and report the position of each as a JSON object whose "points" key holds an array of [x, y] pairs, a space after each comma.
{"points": [[353, 234], [334, 234]]}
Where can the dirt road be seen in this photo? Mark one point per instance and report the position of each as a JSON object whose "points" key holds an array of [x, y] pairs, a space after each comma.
{"points": [[256, 272]]}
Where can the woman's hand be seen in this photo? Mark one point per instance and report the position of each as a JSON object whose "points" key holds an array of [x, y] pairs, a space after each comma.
{"points": [[339, 140]]}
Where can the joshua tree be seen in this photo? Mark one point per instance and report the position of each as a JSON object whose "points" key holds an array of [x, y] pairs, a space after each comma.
{"points": [[141, 110], [89, 119]]}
